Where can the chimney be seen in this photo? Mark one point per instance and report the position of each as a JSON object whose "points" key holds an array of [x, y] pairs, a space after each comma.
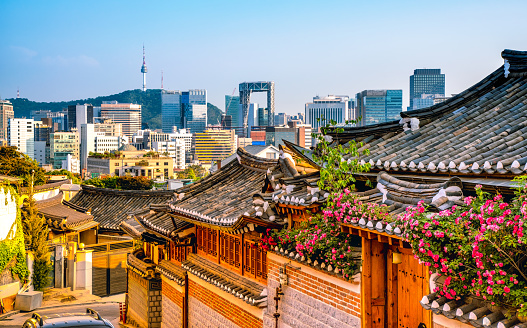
{"points": [[219, 164]]}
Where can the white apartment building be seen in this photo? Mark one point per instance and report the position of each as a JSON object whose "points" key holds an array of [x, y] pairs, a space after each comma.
{"points": [[322, 111], [97, 142], [174, 149], [71, 164], [21, 134]]}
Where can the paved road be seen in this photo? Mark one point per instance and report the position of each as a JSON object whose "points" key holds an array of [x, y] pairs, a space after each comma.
{"points": [[109, 311]]}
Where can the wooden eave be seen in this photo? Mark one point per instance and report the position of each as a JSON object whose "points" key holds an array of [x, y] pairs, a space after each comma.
{"points": [[381, 237]]}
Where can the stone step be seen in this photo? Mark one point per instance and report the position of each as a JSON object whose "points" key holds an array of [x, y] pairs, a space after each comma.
{"points": [[55, 292]]}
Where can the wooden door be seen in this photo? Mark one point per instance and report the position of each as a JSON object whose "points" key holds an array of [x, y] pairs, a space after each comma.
{"points": [[412, 284]]}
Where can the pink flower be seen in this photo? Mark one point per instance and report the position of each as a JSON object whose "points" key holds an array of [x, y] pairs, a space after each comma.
{"points": [[506, 289]]}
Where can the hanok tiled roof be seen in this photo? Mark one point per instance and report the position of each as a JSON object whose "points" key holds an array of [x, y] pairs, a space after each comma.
{"points": [[47, 186], [224, 198], [251, 292], [157, 220], [399, 194], [479, 131], [172, 271], [110, 207], [136, 262], [62, 217], [470, 310]]}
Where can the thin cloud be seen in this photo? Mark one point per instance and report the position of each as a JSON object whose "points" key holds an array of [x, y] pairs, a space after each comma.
{"points": [[23, 52], [81, 60]]}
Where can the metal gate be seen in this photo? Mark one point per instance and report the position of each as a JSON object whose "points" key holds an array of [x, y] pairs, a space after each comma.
{"points": [[109, 267], [51, 274]]}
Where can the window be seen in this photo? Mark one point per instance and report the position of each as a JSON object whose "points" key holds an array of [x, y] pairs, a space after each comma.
{"points": [[207, 241], [230, 250], [166, 163], [254, 261], [179, 253]]}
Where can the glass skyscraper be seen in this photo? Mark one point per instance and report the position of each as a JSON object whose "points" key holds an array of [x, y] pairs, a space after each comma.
{"points": [[426, 82], [233, 108], [378, 106], [184, 110]]}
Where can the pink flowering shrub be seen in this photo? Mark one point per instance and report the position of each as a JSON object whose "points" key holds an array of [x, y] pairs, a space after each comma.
{"points": [[480, 247], [320, 239]]}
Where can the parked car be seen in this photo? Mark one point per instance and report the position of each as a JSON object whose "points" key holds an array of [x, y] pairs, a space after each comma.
{"points": [[90, 319]]}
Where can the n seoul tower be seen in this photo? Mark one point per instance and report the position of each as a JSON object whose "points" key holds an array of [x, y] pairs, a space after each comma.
{"points": [[144, 70]]}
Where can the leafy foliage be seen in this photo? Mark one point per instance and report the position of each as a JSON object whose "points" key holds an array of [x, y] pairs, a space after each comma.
{"points": [[106, 154], [16, 164], [14, 249], [480, 248], [336, 172], [122, 183], [150, 101], [36, 237], [194, 172]]}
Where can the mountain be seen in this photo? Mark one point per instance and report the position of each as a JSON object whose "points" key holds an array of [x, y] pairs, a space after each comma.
{"points": [[150, 102]]}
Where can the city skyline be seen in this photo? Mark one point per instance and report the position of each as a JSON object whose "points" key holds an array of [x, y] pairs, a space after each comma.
{"points": [[72, 51]]}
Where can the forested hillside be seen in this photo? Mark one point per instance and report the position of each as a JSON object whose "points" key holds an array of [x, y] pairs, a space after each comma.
{"points": [[150, 101]]}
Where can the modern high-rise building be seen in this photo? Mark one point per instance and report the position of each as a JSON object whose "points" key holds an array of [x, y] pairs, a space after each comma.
{"points": [[62, 144], [378, 106], [280, 119], [233, 108], [213, 145], [98, 138], [322, 111], [184, 110], [60, 119], [263, 117], [6, 113], [78, 115], [170, 110], [299, 134], [21, 134], [426, 81], [128, 115], [174, 149]]}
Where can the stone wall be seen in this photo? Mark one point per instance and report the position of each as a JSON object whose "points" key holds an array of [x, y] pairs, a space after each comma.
{"points": [[172, 304], [312, 298], [144, 301], [209, 308]]}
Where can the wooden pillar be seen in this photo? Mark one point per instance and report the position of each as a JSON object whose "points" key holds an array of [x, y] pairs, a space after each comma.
{"points": [[391, 291], [365, 284]]}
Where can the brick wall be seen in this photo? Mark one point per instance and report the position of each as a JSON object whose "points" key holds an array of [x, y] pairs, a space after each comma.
{"points": [[172, 303], [440, 321], [137, 294], [311, 298], [208, 309]]}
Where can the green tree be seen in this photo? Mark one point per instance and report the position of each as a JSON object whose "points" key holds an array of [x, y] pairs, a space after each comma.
{"points": [[16, 164], [36, 237]]}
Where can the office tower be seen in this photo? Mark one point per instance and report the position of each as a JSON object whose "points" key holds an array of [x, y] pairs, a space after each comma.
{"points": [[59, 119], [378, 106], [78, 115], [41, 133], [322, 111], [20, 133], [98, 138], [426, 81], [6, 113], [62, 144], [108, 128], [213, 145], [170, 110], [233, 108], [226, 122], [262, 116], [252, 119], [280, 119], [299, 134], [128, 115], [184, 110], [194, 108]]}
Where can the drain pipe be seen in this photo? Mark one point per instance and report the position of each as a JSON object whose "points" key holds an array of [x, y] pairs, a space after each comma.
{"points": [[185, 304], [276, 314]]}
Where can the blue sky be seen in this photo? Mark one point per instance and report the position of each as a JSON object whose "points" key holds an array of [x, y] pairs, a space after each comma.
{"points": [[64, 50]]}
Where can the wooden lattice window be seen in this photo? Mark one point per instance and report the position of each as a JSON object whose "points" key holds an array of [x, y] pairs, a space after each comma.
{"points": [[178, 253], [230, 250], [254, 261], [207, 240]]}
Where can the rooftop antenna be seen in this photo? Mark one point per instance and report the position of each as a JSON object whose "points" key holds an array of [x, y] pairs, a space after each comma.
{"points": [[17, 92]]}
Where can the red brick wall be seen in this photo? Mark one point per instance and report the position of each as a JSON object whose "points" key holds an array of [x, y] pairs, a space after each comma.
{"points": [[173, 294], [223, 307], [318, 288]]}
